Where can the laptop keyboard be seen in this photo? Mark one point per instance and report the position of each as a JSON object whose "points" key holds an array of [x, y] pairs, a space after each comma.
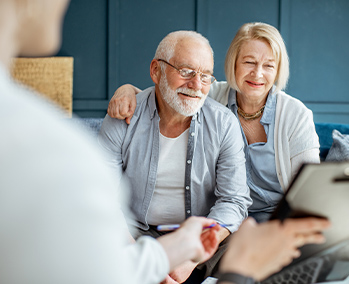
{"points": [[303, 273]]}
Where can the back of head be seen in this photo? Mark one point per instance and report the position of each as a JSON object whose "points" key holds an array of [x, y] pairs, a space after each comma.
{"points": [[263, 32], [31, 27], [166, 47]]}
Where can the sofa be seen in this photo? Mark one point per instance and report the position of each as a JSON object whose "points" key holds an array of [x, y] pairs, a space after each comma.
{"points": [[333, 137]]}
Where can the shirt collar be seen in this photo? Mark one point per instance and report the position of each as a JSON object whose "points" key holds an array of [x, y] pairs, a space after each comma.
{"points": [[152, 104], [270, 105]]}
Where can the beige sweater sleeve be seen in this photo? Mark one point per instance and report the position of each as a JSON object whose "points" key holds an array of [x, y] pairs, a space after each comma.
{"points": [[295, 139]]}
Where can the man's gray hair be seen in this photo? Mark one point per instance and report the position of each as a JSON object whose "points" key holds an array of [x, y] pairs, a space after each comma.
{"points": [[166, 47]]}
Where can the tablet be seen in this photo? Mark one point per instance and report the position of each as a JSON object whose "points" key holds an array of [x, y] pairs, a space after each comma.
{"points": [[320, 190]]}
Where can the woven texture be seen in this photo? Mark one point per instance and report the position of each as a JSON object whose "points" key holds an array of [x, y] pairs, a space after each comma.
{"points": [[50, 76]]}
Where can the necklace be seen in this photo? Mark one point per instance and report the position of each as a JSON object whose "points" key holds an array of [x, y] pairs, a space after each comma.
{"points": [[248, 116]]}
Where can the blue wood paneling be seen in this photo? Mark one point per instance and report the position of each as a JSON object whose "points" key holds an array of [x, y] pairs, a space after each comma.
{"points": [[113, 42], [142, 25], [219, 20], [317, 37], [85, 37]]}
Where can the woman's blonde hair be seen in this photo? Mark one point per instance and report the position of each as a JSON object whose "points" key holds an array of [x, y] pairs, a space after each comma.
{"points": [[264, 32]]}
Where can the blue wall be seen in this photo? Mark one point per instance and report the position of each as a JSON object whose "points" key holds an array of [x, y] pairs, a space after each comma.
{"points": [[113, 42]]}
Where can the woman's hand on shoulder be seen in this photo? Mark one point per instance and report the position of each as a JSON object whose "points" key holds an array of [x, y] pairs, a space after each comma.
{"points": [[123, 104]]}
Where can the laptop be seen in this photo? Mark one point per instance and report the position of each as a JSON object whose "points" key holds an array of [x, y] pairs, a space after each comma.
{"points": [[320, 190]]}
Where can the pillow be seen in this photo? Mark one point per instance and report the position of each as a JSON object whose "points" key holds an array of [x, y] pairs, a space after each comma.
{"points": [[339, 150]]}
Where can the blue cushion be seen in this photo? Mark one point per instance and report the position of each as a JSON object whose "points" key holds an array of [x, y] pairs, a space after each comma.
{"points": [[339, 150], [324, 131], [90, 124]]}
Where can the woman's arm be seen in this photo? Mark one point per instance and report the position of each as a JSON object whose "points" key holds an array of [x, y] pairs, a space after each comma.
{"points": [[219, 91], [310, 156], [123, 104]]}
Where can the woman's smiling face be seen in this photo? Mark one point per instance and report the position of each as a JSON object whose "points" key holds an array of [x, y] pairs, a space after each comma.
{"points": [[255, 69]]}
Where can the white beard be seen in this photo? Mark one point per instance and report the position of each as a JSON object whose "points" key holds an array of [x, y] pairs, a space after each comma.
{"points": [[182, 106]]}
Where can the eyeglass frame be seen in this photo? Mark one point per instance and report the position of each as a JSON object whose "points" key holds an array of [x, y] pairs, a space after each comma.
{"points": [[193, 73]]}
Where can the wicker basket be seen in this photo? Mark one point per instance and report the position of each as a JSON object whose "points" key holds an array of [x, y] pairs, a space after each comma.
{"points": [[50, 76]]}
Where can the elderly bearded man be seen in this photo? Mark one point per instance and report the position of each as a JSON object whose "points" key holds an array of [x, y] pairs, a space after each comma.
{"points": [[182, 153]]}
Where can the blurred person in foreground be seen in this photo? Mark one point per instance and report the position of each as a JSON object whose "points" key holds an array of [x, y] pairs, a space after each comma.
{"points": [[59, 216], [278, 130]]}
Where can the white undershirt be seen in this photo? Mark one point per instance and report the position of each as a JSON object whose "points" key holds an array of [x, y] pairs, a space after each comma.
{"points": [[167, 204]]}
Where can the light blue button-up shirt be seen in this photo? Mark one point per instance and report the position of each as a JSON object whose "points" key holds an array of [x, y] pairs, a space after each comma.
{"points": [[215, 175], [262, 179]]}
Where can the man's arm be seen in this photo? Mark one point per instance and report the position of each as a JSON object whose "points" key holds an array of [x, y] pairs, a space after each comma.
{"points": [[232, 192], [223, 233], [111, 138]]}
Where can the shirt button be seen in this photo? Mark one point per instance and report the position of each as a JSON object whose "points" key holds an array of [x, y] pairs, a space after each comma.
{"points": [[189, 161], [192, 134], [188, 211], [187, 187]]}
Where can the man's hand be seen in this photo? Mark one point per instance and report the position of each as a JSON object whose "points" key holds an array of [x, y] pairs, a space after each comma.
{"points": [[258, 250], [208, 242], [123, 104], [191, 242]]}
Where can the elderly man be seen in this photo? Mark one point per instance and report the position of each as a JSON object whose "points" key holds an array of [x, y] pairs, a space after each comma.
{"points": [[182, 152]]}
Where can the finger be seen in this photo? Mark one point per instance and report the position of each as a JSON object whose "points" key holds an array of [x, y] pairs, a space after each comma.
{"points": [[299, 240], [316, 238], [170, 280], [296, 254], [209, 239], [200, 221], [307, 225], [207, 222], [110, 110], [128, 119], [113, 110], [167, 280], [124, 109], [133, 104]]}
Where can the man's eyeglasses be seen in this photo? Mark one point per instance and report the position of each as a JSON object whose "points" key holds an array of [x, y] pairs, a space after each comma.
{"points": [[187, 73]]}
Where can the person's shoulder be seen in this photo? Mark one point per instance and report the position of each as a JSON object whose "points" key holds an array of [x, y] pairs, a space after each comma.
{"points": [[145, 99], [144, 95], [291, 113], [217, 112], [286, 99], [212, 105], [219, 91], [110, 123]]}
